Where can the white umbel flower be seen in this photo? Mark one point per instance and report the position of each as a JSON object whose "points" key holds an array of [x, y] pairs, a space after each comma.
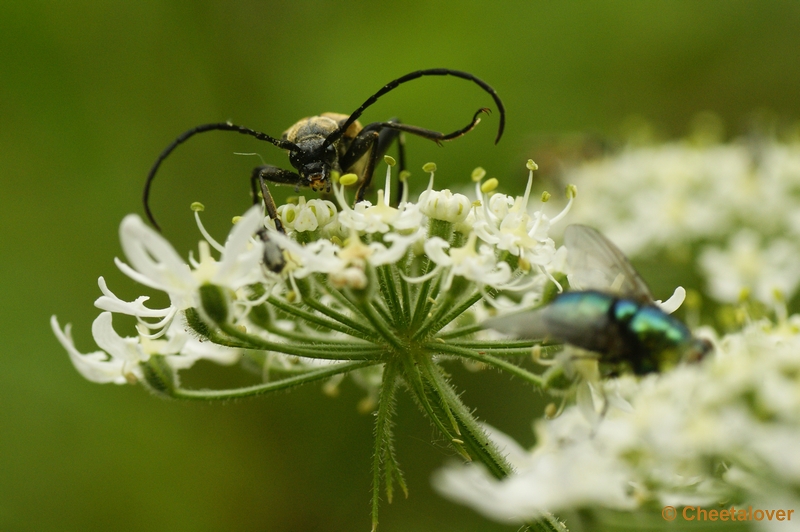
{"points": [[723, 430]]}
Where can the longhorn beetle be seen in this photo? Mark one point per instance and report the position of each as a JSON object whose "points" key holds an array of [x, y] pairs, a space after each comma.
{"points": [[330, 142]]}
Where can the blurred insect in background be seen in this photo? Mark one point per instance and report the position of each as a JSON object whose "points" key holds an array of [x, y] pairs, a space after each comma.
{"points": [[330, 142], [610, 312]]}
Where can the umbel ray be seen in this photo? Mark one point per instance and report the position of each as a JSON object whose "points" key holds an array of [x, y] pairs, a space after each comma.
{"points": [[331, 142]]}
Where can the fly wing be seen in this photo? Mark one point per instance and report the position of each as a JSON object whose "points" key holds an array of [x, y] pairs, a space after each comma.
{"points": [[597, 264]]}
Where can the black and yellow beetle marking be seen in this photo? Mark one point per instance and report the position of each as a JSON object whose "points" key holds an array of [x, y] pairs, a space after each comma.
{"points": [[330, 142]]}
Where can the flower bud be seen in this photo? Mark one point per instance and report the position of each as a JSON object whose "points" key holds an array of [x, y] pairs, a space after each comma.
{"points": [[158, 375], [444, 205], [214, 303]]}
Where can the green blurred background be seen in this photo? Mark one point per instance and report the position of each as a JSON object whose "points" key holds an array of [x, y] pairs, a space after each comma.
{"points": [[90, 92]]}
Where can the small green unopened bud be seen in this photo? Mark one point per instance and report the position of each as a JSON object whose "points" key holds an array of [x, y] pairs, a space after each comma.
{"points": [[196, 206], [158, 375], [388, 159], [235, 220], [489, 185], [348, 179], [478, 174], [551, 411], [530, 165], [429, 167], [214, 303], [545, 196], [196, 323]]}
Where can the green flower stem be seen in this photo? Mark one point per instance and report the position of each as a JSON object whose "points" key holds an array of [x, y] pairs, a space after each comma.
{"points": [[461, 331], [435, 321], [460, 309], [443, 230], [440, 228], [431, 369], [379, 323], [495, 344], [475, 439], [338, 352], [405, 293], [384, 457], [281, 369], [310, 299], [484, 450], [316, 340], [430, 301], [260, 389], [347, 328], [323, 281], [417, 386], [421, 302], [385, 313], [303, 337], [440, 348], [389, 291], [501, 352], [500, 348]]}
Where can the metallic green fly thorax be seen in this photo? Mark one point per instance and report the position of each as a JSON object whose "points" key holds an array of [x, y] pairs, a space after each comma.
{"points": [[627, 334]]}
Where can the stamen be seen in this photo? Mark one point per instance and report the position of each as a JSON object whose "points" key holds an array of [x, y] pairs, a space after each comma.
{"points": [[572, 191], [553, 279], [430, 167], [205, 233], [422, 278]]}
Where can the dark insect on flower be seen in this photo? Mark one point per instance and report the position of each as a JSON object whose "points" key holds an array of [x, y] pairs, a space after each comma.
{"points": [[331, 142], [611, 312]]}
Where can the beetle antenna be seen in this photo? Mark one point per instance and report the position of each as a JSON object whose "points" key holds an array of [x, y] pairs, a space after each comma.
{"points": [[186, 135], [333, 137]]}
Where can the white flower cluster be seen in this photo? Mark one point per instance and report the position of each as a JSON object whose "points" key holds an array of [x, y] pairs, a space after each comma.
{"points": [[481, 244], [737, 207], [725, 430]]}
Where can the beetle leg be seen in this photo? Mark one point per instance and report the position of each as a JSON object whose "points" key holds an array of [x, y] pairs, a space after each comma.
{"points": [[368, 137], [258, 181], [364, 142], [435, 136]]}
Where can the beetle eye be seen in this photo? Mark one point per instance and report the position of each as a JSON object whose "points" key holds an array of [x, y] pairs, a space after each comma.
{"points": [[294, 159]]}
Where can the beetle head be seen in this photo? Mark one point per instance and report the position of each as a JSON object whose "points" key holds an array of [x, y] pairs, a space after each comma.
{"points": [[313, 161]]}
